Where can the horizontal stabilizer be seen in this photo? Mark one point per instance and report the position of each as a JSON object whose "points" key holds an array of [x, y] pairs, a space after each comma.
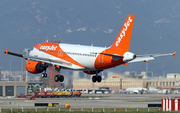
{"points": [[150, 57]]}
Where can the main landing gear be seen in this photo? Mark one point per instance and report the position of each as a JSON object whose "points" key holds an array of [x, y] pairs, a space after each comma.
{"points": [[96, 78], [58, 77]]}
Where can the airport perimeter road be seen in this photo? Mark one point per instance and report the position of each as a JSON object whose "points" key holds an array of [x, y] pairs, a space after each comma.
{"points": [[91, 100]]}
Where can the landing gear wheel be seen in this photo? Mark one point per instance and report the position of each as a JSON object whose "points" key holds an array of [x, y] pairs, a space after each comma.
{"points": [[56, 78], [44, 75], [99, 78], [61, 78], [94, 78]]}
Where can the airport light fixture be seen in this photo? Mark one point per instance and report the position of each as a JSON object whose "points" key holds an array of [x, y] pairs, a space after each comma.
{"points": [[22, 51], [26, 50]]}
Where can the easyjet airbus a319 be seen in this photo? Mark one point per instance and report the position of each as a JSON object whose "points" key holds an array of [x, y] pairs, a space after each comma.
{"points": [[89, 59]]}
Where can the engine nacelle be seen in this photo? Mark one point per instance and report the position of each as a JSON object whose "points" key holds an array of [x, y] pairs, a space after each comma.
{"points": [[90, 72], [35, 67], [128, 56]]}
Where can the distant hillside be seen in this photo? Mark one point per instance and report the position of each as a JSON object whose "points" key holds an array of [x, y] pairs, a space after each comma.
{"points": [[156, 28]]}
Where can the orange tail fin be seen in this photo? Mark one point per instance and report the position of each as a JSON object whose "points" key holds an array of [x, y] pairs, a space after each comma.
{"points": [[122, 40]]}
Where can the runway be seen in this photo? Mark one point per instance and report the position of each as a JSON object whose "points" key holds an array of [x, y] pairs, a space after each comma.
{"points": [[91, 101]]}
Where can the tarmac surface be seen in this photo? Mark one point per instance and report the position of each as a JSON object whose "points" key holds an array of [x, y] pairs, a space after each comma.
{"points": [[91, 101]]}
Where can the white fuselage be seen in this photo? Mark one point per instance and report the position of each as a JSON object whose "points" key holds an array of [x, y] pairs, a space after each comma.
{"points": [[84, 55]]}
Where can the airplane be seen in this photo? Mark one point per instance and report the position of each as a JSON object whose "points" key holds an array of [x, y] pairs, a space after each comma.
{"points": [[89, 59], [136, 90]]}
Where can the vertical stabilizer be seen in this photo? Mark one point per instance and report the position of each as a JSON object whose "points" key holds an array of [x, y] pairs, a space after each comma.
{"points": [[123, 38]]}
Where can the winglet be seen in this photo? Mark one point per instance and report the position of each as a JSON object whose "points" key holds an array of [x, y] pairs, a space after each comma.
{"points": [[174, 54], [27, 59], [6, 51], [125, 64]]}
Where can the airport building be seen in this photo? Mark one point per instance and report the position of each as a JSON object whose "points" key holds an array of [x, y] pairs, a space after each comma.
{"points": [[39, 84], [10, 88], [117, 82], [173, 75]]}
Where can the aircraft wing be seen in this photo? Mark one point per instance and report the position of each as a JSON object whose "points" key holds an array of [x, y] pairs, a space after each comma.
{"points": [[39, 59], [149, 57], [49, 61]]}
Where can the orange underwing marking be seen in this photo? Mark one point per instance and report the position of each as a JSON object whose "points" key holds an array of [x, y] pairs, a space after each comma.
{"points": [[125, 64], [27, 59], [146, 61], [174, 54], [6, 51]]}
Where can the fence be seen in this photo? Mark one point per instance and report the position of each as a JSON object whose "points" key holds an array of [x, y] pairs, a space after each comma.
{"points": [[95, 110]]}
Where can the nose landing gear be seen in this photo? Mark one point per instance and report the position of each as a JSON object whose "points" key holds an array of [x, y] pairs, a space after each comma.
{"points": [[56, 77], [44, 75]]}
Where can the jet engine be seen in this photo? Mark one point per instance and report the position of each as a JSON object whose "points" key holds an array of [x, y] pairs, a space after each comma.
{"points": [[128, 56], [35, 67]]}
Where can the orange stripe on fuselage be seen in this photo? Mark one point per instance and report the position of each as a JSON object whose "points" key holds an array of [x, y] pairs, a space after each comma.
{"points": [[54, 50]]}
